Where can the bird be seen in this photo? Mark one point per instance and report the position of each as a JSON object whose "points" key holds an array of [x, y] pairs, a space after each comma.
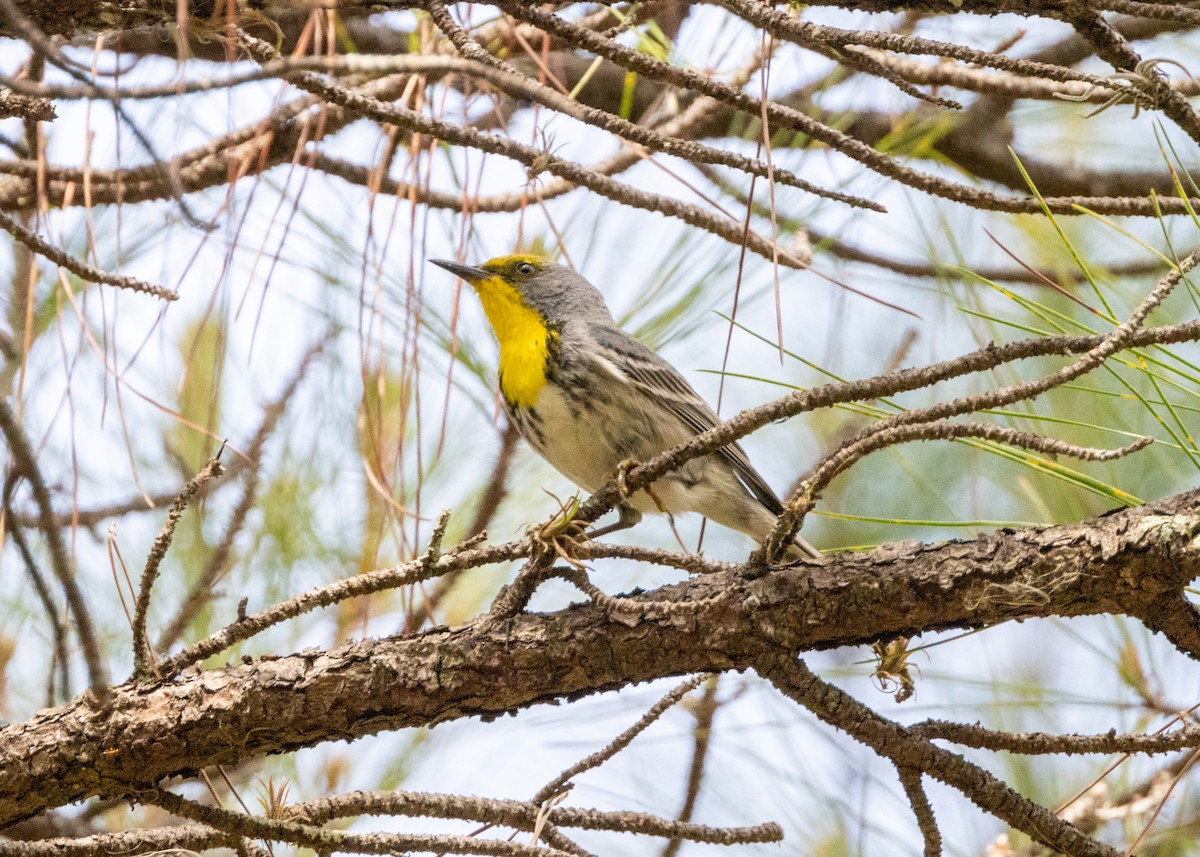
{"points": [[590, 399]]}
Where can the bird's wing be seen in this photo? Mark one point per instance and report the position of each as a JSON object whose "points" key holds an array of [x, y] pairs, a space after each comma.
{"points": [[655, 377]]}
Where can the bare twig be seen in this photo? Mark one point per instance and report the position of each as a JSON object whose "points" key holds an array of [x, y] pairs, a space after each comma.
{"points": [[1042, 743], [872, 439], [595, 760], [891, 740], [705, 711], [218, 563], [910, 779], [187, 838], [143, 657], [321, 839], [507, 813], [24, 465], [362, 584], [891, 383], [58, 630], [803, 498], [81, 269]]}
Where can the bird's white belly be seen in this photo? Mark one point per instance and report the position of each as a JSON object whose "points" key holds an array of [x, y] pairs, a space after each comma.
{"points": [[570, 440], [587, 447]]}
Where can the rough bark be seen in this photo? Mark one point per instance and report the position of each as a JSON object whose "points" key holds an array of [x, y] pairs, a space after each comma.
{"points": [[1134, 562]]}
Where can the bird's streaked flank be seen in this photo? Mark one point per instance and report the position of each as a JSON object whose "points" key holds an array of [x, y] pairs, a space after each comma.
{"points": [[589, 398]]}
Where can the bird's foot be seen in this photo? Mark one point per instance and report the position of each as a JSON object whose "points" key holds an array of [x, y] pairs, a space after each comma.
{"points": [[560, 535], [622, 472], [628, 517]]}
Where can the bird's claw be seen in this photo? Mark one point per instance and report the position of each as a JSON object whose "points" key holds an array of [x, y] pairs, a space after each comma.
{"points": [[622, 473], [560, 535]]}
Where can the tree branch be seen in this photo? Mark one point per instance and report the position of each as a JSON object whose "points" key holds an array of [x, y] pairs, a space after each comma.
{"points": [[1126, 561]]}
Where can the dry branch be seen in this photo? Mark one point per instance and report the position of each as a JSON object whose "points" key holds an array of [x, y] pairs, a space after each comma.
{"points": [[1130, 561]]}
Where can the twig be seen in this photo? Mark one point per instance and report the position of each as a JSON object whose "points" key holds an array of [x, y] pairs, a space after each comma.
{"points": [[839, 249], [595, 760], [24, 464], [910, 780], [58, 630], [871, 439], [1044, 743], [81, 269], [705, 711], [217, 565], [692, 563], [182, 838], [143, 657], [333, 593], [322, 840], [865, 62], [517, 814], [506, 813], [892, 741], [803, 498]]}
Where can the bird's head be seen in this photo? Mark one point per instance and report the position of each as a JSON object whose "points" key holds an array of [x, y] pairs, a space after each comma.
{"points": [[507, 284]]}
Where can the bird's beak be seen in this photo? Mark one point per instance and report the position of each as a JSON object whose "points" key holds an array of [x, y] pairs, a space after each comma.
{"points": [[468, 272]]}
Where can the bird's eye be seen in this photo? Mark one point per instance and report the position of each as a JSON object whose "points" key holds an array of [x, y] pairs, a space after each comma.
{"points": [[524, 268]]}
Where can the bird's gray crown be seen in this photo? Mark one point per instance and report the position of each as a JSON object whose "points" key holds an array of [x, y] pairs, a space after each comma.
{"points": [[556, 292]]}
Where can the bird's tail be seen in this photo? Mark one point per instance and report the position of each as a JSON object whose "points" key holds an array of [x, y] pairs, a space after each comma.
{"points": [[802, 549], [757, 521]]}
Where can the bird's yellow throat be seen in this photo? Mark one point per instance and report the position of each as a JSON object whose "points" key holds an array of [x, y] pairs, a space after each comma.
{"points": [[524, 338]]}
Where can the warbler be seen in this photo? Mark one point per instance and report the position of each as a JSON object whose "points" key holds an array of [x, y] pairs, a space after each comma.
{"points": [[589, 397]]}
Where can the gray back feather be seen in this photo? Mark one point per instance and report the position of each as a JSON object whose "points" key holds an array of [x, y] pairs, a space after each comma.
{"points": [[659, 380], [566, 299]]}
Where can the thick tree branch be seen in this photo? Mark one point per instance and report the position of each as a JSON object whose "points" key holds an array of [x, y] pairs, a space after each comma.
{"points": [[1125, 562]]}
